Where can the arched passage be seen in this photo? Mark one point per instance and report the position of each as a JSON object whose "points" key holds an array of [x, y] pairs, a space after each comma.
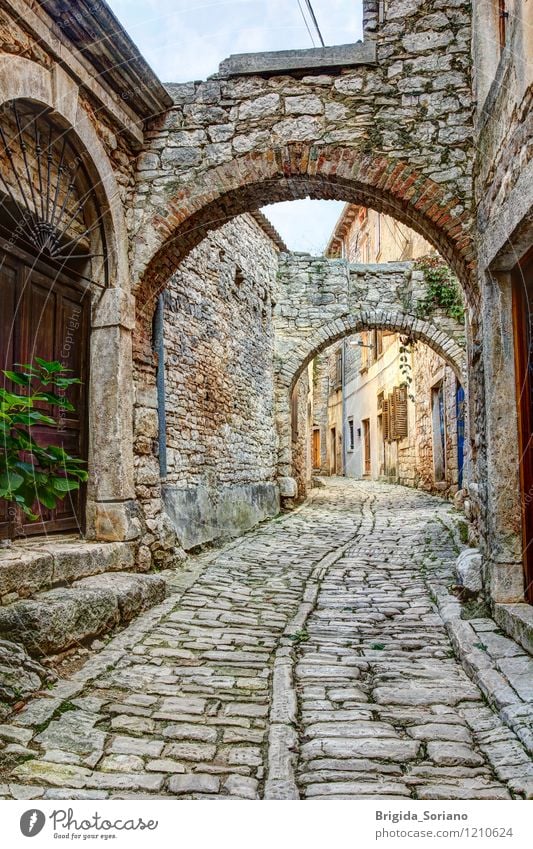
{"points": [[419, 329], [291, 367], [294, 171]]}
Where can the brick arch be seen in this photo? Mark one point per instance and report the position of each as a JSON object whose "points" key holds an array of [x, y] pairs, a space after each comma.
{"points": [[420, 329], [295, 171]]}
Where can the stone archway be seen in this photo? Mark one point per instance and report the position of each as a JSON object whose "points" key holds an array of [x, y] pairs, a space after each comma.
{"points": [[289, 369], [370, 133], [295, 171], [196, 207], [111, 490]]}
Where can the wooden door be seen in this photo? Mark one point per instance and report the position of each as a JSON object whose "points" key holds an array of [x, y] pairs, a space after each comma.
{"points": [[47, 315], [316, 448], [333, 457], [8, 301], [366, 445], [522, 279]]}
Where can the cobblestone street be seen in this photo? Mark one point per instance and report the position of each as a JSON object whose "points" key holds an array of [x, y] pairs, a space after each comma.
{"points": [[304, 660]]}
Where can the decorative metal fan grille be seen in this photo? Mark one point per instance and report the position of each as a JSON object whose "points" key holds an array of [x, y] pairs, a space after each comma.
{"points": [[48, 196]]}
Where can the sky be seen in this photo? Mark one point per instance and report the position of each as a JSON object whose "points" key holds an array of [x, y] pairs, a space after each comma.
{"points": [[187, 39]]}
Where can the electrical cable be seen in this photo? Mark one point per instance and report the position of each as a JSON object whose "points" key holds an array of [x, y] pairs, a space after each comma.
{"points": [[306, 25], [315, 22]]}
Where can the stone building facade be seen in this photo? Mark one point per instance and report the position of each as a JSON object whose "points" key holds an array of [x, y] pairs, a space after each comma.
{"points": [[359, 434], [409, 122], [504, 193]]}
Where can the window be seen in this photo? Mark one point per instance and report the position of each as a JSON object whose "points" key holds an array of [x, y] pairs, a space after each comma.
{"points": [[351, 435], [377, 235], [379, 343], [394, 414], [385, 413], [399, 412], [363, 338]]}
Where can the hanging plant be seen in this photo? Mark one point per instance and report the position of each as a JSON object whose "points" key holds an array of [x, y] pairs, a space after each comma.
{"points": [[407, 345], [442, 289], [30, 472]]}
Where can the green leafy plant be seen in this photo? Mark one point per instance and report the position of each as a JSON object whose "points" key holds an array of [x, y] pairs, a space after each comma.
{"points": [[30, 472], [442, 289], [301, 636]]}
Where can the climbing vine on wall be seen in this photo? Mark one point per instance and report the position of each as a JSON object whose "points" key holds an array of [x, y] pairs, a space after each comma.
{"points": [[407, 345], [442, 289]]}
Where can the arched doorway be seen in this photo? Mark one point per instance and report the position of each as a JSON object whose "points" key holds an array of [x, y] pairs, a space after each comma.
{"points": [[52, 251]]}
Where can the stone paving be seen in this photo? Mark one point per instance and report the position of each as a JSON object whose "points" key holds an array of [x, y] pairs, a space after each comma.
{"points": [[304, 660]]}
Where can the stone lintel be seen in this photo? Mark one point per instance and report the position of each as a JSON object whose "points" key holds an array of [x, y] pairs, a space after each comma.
{"points": [[116, 308], [282, 61]]}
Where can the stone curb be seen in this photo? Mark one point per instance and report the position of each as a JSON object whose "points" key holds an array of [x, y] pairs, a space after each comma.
{"points": [[479, 666], [283, 741]]}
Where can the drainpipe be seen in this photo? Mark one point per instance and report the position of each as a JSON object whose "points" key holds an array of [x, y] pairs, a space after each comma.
{"points": [[343, 385], [159, 349]]}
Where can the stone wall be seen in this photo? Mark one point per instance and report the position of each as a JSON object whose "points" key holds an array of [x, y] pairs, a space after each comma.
{"points": [[321, 300], [428, 370], [218, 338], [392, 126], [504, 195], [301, 431]]}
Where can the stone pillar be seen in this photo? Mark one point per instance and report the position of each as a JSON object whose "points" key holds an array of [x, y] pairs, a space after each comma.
{"points": [[288, 488], [504, 529], [111, 507]]}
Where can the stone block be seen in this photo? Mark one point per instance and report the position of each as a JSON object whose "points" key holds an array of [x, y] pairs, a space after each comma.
{"points": [[113, 521], [517, 621], [20, 676], [197, 783], [469, 566], [288, 488], [24, 571], [76, 560], [133, 593], [60, 618]]}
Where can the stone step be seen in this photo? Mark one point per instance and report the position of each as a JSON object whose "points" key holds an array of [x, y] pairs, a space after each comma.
{"points": [[30, 567], [517, 621], [57, 619]]}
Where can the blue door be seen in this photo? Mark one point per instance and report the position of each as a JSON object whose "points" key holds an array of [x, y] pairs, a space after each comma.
{"points": [[460, 418]]}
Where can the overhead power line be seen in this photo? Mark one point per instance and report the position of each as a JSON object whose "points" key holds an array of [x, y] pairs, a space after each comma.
{"points": [[315, 22], [306, 24]]}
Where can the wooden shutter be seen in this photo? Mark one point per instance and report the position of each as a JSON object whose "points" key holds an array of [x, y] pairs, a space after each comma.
{"points": [[399, 412], [385, 412]]}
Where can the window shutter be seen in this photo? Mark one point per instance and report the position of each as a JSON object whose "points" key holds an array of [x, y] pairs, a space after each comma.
{"points": [[385, 412], [399, 398]]}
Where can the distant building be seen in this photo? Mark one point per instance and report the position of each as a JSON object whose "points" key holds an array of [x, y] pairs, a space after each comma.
{"points": [[383, 408]]}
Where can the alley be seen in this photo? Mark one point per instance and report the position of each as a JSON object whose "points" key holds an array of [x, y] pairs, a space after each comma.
{"points": [[304, 660]]}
